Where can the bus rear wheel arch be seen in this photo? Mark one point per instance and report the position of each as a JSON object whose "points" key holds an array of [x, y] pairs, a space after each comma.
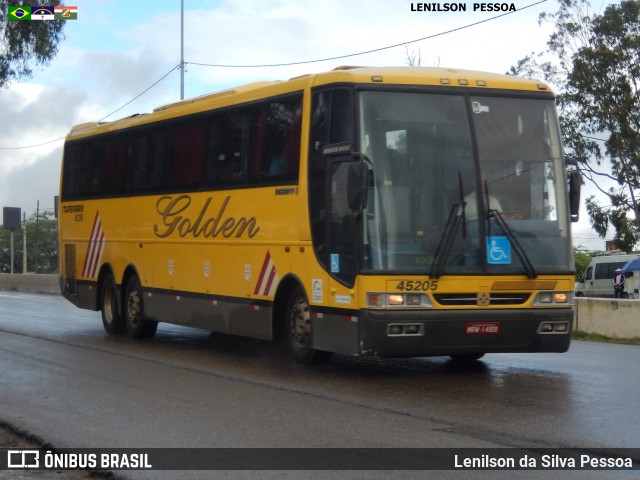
{"points": [[299, 330], [138, 326]]}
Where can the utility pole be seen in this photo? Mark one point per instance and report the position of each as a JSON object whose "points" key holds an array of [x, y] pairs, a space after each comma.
{"points": [[12, 251], [11, 216], [24, 242], [181, 49], [37, 221]]}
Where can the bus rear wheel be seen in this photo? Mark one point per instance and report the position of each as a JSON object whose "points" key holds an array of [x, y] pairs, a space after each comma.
{"points": [[112, 321], [299, 332], [137, 325]]}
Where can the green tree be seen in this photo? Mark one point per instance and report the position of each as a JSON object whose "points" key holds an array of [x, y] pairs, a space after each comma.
{"points": [[593, 60], [582, 258], [42, 245], [25, 44]]}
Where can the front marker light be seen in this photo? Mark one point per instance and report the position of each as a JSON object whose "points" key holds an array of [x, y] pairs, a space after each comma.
{"points": [[413, 299], [375, 299]]}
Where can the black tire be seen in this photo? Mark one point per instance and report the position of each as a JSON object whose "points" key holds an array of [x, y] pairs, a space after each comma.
{"points": [[138, 326], [299, 334], [112, 320]]}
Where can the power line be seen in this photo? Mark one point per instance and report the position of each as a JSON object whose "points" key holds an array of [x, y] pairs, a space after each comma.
{"points": [[288, 64], [145, 91], [106, 116], [32, 146], [368, 51]]}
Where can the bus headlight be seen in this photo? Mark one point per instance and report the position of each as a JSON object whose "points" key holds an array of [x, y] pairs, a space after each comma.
{"points": [[553, 298], [560, 297], [398, 300]]}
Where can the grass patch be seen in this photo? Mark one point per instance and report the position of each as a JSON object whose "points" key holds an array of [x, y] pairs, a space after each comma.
{"points": [[596, 337]]}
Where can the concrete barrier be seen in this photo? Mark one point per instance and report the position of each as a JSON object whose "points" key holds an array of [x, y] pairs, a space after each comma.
{"points": [[605, 316], [30, 282], [609, 317]]}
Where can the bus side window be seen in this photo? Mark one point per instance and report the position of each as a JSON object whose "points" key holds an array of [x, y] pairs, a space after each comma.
{"points": [[234, 162], [278, 137], [214, 154], [188, 154], [92, 178], [114, 163], [70, 177], [156, 167]]}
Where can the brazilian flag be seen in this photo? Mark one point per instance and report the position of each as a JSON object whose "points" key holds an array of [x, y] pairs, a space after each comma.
{"points": [[19, 13]]}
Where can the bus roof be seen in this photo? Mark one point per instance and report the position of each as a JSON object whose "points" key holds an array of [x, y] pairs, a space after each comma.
{"points": [[428, 76]]}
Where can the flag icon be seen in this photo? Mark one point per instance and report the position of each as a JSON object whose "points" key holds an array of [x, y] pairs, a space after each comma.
{"points": [[66, 13], [42, 12], [19, 13]]}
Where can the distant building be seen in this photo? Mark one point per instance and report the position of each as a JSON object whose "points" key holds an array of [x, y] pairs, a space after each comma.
{"points": [[611, 246]]}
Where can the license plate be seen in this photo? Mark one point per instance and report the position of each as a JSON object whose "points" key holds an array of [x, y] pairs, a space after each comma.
{"points": [[482, 328]]}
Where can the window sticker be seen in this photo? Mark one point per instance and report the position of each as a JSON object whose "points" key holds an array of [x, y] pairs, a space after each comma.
{"points": [[316, 290], [335, 263], [498, 251]]}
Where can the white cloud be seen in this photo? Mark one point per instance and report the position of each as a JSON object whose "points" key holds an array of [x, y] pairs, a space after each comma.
{"points": [[118, 48], [28, 183]]}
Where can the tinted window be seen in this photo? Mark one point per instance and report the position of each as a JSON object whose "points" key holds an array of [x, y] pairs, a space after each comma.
{"points": [[241, 146], [607, 270]]}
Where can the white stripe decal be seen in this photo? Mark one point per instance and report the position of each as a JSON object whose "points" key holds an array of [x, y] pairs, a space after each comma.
{"points": [[94, 250], [268, 279]]}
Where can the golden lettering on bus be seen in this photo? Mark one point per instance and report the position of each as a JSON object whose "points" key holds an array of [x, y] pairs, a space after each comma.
{"points": [[176, 220]]}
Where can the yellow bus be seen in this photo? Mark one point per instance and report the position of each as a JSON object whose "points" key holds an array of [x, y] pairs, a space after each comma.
{"points": [[363, 211]]}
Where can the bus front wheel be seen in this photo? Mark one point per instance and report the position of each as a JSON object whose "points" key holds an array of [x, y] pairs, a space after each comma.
{"points": [[299, 331], [137, 326], [111, 319]]}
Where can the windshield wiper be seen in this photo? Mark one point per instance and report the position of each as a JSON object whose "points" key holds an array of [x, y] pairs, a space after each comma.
{"points": [[522, 255], [457, 216]]}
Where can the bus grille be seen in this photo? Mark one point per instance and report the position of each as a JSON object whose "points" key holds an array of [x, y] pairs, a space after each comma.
{"points": [[461, 299]]}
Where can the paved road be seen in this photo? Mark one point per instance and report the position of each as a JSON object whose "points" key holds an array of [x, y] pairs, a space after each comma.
{"points": [[65, 381]]}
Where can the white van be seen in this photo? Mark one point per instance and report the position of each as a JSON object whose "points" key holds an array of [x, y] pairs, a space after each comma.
{"points": [[597, 280]]}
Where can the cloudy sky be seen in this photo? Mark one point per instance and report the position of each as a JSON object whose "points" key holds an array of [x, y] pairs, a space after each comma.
{"points": [[118, 49]]}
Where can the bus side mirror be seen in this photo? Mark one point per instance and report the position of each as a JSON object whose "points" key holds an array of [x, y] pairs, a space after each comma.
{"points": [[357, 185], [575, 183]]}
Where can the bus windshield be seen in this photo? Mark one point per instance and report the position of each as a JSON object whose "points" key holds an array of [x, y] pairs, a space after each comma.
{"points": [[481, 174]]}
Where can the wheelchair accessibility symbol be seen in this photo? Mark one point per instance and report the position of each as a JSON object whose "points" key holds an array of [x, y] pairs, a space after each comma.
{"points": [[498, 251]]}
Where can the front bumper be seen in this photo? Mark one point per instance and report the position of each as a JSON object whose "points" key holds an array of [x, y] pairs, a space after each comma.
{"points": [[448, 332]]}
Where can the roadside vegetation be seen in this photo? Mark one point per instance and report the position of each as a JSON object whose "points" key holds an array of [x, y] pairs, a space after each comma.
{"points": [[596, 337]]}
